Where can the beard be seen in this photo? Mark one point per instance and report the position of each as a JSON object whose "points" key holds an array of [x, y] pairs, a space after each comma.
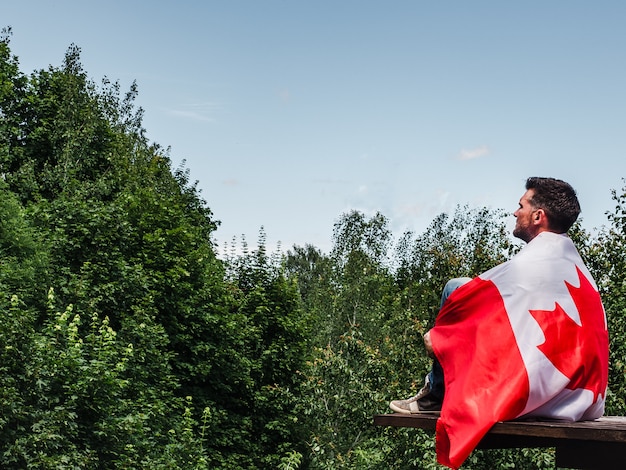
{"points": [[522, 233]]}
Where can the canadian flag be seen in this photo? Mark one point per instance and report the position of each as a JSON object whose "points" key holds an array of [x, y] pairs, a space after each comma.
{"points": [[526, 338]]}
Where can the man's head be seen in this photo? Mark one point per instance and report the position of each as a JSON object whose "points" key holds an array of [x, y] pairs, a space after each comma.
{"points": [[547, 205]]}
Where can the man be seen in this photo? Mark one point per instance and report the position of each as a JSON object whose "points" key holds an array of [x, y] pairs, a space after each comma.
{"points": [[526, 338]]}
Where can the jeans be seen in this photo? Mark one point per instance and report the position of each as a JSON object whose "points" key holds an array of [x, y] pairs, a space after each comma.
{"points": [[435, 376]]}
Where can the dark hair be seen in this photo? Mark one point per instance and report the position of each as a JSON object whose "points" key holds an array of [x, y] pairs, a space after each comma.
{"points": [[558, 200]]}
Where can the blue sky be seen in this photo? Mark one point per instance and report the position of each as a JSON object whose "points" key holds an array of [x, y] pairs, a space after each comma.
{"points": [[290, 113]]}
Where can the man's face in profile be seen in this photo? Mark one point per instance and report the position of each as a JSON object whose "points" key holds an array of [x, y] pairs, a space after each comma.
{"points": [[525, 215]]}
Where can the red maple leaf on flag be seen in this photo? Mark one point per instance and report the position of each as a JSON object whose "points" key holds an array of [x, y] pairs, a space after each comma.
{"points": [[580, 352]]}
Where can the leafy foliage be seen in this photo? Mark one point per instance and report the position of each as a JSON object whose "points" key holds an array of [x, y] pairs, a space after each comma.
{"points": [[128, 343], [377, 307], [608, 261]]}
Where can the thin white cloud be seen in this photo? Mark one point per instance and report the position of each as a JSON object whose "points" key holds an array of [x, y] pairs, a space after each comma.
{"points": [[196, 111], [471, 154]]}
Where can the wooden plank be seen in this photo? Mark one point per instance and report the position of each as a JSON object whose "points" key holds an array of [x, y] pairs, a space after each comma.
{"points": [[582, 445], [422, 421], [605, 429]]}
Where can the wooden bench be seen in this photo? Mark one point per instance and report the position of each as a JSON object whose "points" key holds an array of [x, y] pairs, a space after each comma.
{"points": [[599, 444]]}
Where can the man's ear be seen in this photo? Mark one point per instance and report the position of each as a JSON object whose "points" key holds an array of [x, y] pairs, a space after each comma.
{"points": [[540, 217]]}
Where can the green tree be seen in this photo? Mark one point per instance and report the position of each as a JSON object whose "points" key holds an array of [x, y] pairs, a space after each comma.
{"points": [[372, 349], [13, 103], [269, 428], [607, 260], [127, 245], [364, 287], [466, 243], [349, 296], [71, 405]]}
